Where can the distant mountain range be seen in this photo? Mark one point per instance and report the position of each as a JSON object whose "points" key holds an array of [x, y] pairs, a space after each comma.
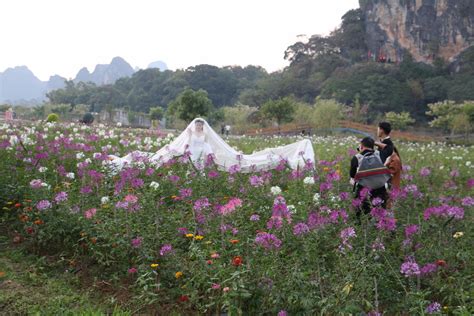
{"points": [[19, 85]]}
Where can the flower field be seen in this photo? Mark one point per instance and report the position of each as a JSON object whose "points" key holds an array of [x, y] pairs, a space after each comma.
{"points": [[205, 241]]}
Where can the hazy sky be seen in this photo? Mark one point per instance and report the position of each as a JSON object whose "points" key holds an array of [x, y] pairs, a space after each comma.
{"points": [[61, 36]]}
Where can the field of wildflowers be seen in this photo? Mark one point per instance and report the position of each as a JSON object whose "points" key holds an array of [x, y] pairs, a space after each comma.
{"points": [[200, 240]]}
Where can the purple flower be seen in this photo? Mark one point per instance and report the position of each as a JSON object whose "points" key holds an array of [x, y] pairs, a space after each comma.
{"points": [[86, 190], [347, 233], [424, 172], [444, 211], [282, 313], [165, 249], [470, 183], [300, 229], [61, 197], [43, 205], [344, 196], [410, 230], [213, 174], [378, 245], [201, 204], [234, 169], [137, 183], [275, 222], [136, 242], [454, 173], [410, 268], [255, 218], [174, 178], [387, 224], [428, 268], [325, 186], [36, 184], [268, 241], [434, 307], [377, 201], [256, 181], [184, 193], [467, 201]]}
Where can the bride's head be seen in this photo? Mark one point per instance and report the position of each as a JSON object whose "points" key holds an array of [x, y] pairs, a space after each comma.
{"points": [[199, 125]]}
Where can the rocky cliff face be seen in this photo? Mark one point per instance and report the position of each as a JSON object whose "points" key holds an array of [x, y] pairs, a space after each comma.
{"points": [[425, 28]]}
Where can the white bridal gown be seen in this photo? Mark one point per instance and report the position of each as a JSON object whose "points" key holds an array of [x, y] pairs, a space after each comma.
{"points": [[296, 154]]}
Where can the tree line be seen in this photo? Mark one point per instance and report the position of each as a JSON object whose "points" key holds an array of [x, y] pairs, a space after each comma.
{"points": [[325, 67]]}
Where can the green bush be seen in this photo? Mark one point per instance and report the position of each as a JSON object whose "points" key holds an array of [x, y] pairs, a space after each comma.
{"points": [[88, 118], [53, 117]]}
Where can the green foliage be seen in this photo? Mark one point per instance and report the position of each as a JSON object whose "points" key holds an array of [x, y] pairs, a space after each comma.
{"points": [[191, 104], [53, 117], [327, 113], [88, 118], [280, 110], [399, 121], [157, 113], [452, 116]]}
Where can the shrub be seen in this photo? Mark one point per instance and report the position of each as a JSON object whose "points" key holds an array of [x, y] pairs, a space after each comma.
{"points": [[53, 117]]}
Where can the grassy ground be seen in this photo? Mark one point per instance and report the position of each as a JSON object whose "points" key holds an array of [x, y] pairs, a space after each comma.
{"points": [[29, 287]]}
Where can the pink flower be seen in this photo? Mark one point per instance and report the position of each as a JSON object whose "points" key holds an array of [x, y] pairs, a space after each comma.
{"points": [[90, 213], [216, 286], [132, 270], [226, 289], [136, 242], [130, 198]]}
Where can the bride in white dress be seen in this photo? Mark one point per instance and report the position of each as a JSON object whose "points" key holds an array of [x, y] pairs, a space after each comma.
{"points": [[200, 140]]}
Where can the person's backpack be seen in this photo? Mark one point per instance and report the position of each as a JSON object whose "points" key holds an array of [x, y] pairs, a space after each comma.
{"points": [[371, 172]]}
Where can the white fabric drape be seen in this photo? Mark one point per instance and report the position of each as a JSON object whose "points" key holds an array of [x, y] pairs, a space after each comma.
{"points": [[296, 154]]}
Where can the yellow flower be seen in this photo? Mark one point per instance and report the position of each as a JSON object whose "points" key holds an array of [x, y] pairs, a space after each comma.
{"points": [[347, 288], [189, 235], [199, 237], [178, 274], [458, 235], [154, 265]]}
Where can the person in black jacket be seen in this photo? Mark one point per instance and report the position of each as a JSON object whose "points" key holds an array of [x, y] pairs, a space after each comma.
{"points": [[366, 147], [385, 145]]}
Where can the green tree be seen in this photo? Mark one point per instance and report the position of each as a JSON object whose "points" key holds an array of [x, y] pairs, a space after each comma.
{"points": [[280, 110], [444, 114], [327, 113], [156, 113], [399, 120], [191, 104]]}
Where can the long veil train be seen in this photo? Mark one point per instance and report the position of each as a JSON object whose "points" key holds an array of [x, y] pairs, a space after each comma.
{"points": [[297, 154]]}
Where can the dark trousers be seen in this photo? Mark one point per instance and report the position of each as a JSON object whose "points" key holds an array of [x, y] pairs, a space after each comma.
{"points": [[366, 205]]}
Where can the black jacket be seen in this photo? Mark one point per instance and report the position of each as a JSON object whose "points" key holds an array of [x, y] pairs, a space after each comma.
{"points": [[387, 151]]}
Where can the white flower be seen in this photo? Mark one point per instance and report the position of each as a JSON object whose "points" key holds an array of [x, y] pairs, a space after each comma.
{"points": [[70, 175], [468, 163], [88, 160], [308, 180], [104, 200], [441, 167], [275, 190], [42, 169], [119, 124], [79, 155], [154, 185], [292, 209], [317, 197]]}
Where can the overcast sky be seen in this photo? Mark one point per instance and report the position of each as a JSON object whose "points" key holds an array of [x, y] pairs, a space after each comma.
{"points": [[61, 36]]}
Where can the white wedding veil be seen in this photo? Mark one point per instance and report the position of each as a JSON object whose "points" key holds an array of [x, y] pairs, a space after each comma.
{"points": [[296, 154]]}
